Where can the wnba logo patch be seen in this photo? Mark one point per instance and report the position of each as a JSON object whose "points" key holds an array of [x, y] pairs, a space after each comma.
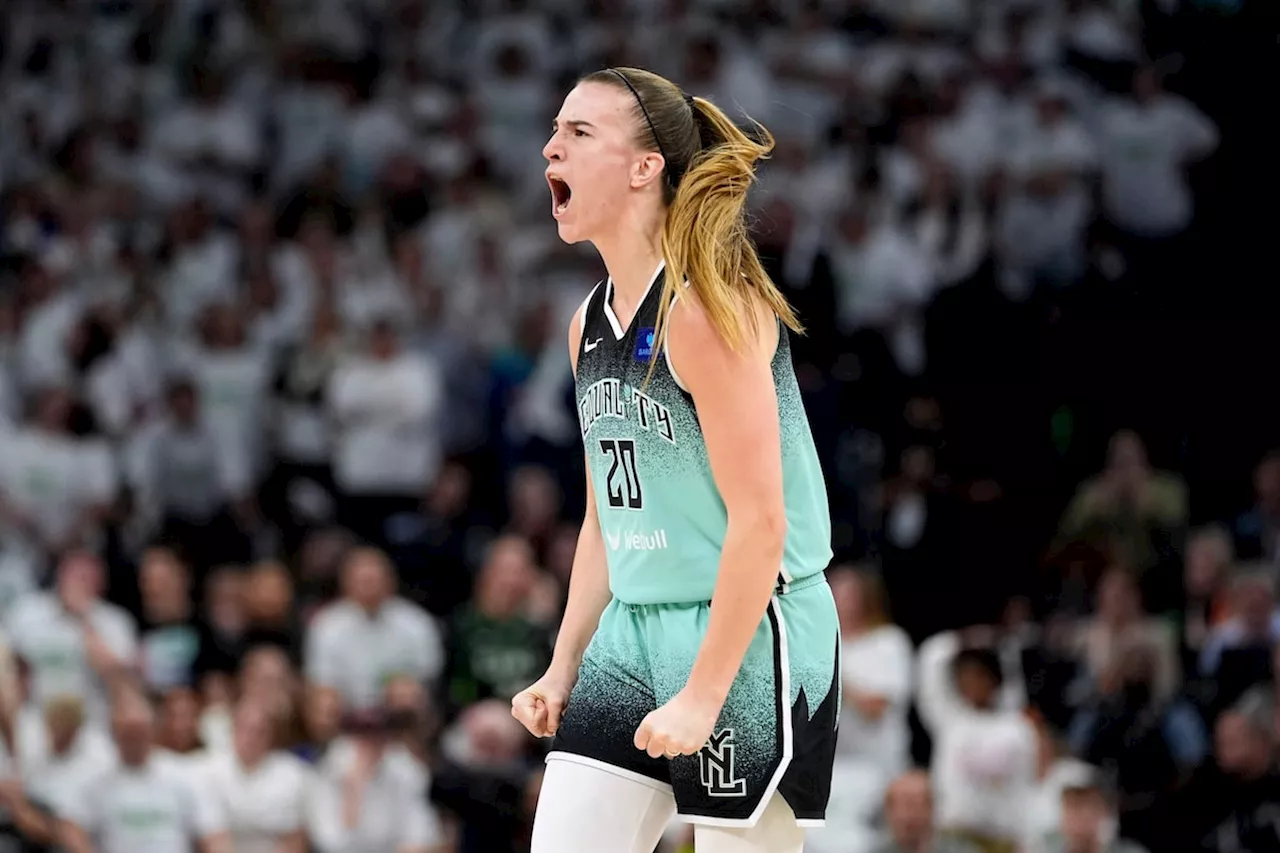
{"points": [[644, 344]]}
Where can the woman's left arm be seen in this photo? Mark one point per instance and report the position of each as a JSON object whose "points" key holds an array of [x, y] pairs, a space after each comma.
{"points": [[738, 410]]}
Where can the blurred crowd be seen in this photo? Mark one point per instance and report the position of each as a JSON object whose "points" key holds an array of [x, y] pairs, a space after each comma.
{"points": [[290, 481]]}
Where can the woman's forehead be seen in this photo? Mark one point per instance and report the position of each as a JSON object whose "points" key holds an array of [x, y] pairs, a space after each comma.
{"points": [[598, 105]]}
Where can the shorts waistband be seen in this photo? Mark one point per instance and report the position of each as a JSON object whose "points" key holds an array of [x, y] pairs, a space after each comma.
{"points": [[781, 588], [784, 587]]}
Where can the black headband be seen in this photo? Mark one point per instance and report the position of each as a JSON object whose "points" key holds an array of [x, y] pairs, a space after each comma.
{"points": [[688, 99]]}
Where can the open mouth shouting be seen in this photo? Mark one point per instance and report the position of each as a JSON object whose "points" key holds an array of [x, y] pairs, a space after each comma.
{"points": [[560, 195]]}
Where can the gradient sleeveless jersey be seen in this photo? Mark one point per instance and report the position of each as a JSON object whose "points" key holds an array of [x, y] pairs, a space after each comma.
{"points": [[661, 514]]}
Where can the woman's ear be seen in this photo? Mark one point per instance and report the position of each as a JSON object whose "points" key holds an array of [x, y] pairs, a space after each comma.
{"points": [[647, 169]]}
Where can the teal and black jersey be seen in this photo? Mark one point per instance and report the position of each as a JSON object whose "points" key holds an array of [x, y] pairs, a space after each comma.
{"points": [[661, 514]]}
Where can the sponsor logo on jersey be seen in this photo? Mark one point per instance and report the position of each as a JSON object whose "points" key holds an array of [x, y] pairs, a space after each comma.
{"points": [[604, 399], [653, 541], [644, 344], [716, 762]]}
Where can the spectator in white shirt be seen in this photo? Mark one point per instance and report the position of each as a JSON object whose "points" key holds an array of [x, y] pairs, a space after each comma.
{"points": [[75, 643], [1043, 221], [949, 226], [368, 795], [233, 376], [370, 635], [882, 284], [56, 753], [1148, 142], [262, 789], [876, 664], [384, 406], [55, 488], [52, 311], [202, 268], [985, 756], [214, 140], [149, 803]]}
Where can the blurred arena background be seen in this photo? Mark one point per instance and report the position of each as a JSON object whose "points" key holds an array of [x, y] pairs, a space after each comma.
{"points": [[290, 476]]}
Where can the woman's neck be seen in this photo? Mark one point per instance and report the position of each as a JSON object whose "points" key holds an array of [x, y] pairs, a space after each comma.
{"points": [[631, 258]]}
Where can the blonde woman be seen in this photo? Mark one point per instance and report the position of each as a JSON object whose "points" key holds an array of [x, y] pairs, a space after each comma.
{"points": [[710, 687]]}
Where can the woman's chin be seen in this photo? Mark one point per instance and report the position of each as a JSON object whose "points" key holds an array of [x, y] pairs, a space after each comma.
{"points": [[569, 231]]}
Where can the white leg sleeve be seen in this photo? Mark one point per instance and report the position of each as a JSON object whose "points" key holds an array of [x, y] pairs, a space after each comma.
{"points": [[584, 809], [775, 832]]}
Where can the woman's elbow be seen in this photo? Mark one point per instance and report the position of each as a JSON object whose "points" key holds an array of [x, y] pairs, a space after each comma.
{"points": [[766, 526]]}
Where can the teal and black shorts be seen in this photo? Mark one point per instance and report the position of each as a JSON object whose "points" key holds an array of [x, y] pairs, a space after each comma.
{"points": [[776, 732]]}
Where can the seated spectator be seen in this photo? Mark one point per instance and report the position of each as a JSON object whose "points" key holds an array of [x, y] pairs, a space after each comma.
{"points": [[1237, 653], [224, 613], [368, 795], [175, 647], [147, 802], [908, 811], [386, 445], [370, 635], [263, 789], [191, 481], [1118, 623], [267, 678], [232, 376], [1128, 514], [482, 777], [410, 707], [496, 649], [56, 488], [300, 489], [178, 728], [321, 721], [1233, 807], [1088, 823], [1205, 601], [75, 643], [984, 758], [1257, 531], [56, 754], [268, 606], [533, 502], [1151, 742], [1056, 768], [876, 662], [1148, 142], [1267, 691]]}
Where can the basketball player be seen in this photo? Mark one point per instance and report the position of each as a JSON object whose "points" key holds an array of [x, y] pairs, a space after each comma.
{"points": [[696, 667]]}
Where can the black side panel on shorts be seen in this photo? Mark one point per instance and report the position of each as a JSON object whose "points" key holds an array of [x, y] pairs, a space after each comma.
{"points": [[698, 794], [806, 785]]}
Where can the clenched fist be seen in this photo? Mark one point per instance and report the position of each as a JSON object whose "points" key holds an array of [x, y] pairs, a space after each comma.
{"points": [[539, 706], [680, 727]]}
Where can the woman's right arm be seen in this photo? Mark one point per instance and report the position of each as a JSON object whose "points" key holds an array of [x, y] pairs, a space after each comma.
{"points": [[589, 581], [588, 593], [540, 705]]}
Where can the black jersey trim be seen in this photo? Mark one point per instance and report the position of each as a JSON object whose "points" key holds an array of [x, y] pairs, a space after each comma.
{"points": [[618, 332]]}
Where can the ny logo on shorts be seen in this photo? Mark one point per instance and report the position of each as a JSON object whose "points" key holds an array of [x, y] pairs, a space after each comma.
{"points": [[716, 762]]}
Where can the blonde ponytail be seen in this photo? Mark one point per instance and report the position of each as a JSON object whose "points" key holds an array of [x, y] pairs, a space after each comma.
{"points": [[706, 239], [710, 166]]}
